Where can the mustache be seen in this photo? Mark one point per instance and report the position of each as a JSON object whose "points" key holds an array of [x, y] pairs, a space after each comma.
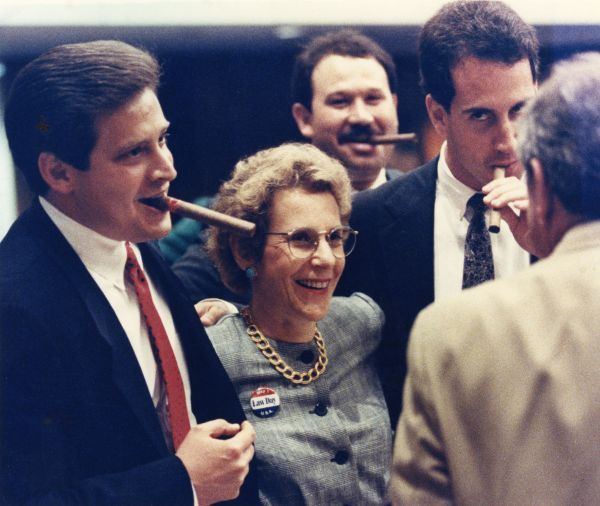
{"points": [[356, 133]]}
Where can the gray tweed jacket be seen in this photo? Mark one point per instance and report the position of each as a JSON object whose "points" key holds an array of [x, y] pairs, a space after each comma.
{"points": [[330, 441]]}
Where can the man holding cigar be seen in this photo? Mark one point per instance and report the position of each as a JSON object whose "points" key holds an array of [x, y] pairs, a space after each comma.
{"points": [[419, 239], [110, 390], [501, 402]]}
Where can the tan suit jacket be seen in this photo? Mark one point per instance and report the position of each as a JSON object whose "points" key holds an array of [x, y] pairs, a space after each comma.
{"points": [[502, 400]]}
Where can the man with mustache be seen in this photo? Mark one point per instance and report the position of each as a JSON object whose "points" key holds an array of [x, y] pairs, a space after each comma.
{"points": [[478, 64], [343, 86]]}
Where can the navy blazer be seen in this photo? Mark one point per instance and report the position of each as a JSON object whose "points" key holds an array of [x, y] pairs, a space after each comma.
{"points": [[77, 422], [393, 263]]}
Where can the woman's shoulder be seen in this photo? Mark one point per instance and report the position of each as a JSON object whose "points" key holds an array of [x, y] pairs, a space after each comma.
{"points": [[358, 301], [229, 328], [356, 310]]}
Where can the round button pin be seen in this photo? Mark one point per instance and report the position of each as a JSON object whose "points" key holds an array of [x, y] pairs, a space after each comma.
{"points": [[264, 402]]}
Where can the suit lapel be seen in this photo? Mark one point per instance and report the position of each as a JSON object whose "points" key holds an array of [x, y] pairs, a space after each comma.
{"points": [[213, 395], [406, 238], [127, 374]]}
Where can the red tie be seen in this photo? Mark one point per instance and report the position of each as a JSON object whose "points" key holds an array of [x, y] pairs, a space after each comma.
{"points": [[161, 347]]}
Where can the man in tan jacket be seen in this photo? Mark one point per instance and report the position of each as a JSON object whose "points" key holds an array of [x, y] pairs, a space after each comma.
{"points": [[501, 403]]}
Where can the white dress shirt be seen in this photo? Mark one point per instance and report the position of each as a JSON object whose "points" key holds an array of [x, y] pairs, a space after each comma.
{"points": [[450, 230], [104, 259], [379, 180]]}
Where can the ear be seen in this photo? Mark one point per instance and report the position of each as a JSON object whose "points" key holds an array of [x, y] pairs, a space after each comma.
{"points": [[236, 250], [56, 173], [539, 197], [303, 118], [437, 115]]}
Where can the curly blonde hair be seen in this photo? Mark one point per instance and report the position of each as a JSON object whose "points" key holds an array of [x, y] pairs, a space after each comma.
{"points": [[249, 194]]}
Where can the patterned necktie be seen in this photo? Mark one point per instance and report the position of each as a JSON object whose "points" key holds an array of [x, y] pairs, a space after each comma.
{"points": [[479, 263], [163, 353]]}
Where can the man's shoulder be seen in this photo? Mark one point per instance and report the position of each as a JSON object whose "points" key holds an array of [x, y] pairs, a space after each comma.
{"points": [[396, 191], [478, 317], [18, 246]]}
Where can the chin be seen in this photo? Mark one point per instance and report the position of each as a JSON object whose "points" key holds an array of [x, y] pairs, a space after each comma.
{"points": [[316, 313], [151, 233], [161, 229]]}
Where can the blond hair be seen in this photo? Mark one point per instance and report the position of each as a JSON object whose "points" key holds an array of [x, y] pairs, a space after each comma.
{"points": [[249, 194]]}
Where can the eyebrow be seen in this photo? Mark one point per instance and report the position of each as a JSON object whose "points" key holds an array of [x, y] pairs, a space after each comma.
{"points": [[520, 104], [133, 144], [352, 90], [477, 109]]}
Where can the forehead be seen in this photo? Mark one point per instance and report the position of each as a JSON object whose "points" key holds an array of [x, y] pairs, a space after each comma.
{"points": [[490, 84], [337, 73], [134, 120], [295, 207]]}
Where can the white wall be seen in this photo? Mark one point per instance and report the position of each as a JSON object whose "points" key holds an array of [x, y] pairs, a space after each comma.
{"points": [[8, 190], [244, 12]]}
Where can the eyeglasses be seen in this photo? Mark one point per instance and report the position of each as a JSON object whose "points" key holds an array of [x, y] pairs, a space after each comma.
{"points": [[303, 242]]}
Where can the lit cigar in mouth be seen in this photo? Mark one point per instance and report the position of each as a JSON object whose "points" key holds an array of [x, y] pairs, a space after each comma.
{"points": [[377, 139], [495, 214], [203, 214]]}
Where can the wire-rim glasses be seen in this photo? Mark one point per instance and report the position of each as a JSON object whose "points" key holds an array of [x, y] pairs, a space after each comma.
{"points": [[303, 242]]}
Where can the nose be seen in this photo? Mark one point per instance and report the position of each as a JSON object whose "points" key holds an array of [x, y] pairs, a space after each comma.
{"points": [[164, 167], [506, 136], [323, 255], [360, 113]]}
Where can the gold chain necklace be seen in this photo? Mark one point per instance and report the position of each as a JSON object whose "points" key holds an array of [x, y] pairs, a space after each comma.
{"points": [[298, 378]]}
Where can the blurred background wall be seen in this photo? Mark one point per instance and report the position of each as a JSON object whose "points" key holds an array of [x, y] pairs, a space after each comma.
{"points": [[227, 66]]}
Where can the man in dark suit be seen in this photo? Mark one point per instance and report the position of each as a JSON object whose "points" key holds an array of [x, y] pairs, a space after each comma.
{"points": [[477, 76], [99, 407], [501, 405]]}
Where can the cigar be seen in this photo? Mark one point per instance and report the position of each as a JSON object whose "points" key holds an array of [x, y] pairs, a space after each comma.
{"points": [[495, 214], [203, 214], [378, 139]]}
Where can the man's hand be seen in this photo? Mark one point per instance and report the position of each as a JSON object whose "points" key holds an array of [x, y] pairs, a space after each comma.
{"points": [[211, 311], [509, 196], [217, 466]]}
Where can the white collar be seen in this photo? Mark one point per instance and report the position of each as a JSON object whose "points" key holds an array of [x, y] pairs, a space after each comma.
{"points": [[378, 181], [455, 191], [101, 255], [582, 236]]}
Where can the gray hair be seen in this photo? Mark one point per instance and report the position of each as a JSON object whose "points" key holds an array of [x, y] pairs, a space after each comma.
{"points": [[561, 128]]}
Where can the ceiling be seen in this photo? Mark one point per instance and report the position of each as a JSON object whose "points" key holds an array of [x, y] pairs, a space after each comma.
{"points": [[28, 27]]}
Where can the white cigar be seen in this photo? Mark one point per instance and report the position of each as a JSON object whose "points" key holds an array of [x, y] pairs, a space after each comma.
{"points": [[495, 214], [203, 214], [210, 217]]}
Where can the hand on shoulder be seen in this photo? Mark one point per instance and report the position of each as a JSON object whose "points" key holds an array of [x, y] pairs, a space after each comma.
{"points": [[210, 311]]}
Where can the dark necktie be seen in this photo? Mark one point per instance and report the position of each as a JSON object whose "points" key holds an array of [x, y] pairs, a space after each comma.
{"points": [[168, 370], [479, 263]]}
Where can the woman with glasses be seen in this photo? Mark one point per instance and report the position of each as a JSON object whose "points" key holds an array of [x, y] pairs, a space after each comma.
{"points": [[301, 361]]}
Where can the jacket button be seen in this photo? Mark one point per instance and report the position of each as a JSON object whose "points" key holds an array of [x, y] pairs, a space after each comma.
{"points": [[307, 356], [320, 409], [341, 457]]}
